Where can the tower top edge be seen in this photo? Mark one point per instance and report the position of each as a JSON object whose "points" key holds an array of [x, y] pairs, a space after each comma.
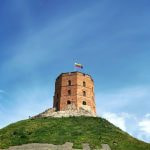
{"points": [[73, 73]]}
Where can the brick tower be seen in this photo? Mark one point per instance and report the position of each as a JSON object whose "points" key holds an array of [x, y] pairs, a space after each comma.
{"points": [[74, 88]]}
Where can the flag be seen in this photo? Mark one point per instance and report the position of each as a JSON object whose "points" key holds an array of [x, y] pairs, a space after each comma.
{"points": [[78, 65]]}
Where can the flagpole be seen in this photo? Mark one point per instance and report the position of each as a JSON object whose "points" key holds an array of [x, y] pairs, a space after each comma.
{"points": [[74, 67]]}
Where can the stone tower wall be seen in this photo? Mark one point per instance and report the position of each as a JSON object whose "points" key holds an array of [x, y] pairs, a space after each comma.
{"points": [[79, 91]]}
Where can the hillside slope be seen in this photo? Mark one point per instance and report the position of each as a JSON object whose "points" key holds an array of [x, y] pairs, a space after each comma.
{"points": [[77, 130]]}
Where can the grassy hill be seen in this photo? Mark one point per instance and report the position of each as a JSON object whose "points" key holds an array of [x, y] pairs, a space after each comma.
{"points": [[78, 130]]}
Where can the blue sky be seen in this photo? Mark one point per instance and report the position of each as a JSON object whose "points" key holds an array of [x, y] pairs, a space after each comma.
{"points": [[39, 39]]}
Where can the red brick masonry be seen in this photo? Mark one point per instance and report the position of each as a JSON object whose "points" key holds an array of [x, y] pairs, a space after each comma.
{"points": [[74, 88]]}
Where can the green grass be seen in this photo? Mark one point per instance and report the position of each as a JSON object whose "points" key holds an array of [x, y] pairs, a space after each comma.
{"points": [[78, 130]]}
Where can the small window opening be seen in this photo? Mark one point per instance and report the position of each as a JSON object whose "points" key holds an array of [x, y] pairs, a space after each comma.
{"points": [[57, 95], [68, 102], [69, 82], [69, 92], [84, 84], [84, 102], [92, 89], [84, 93], [57, 106]]}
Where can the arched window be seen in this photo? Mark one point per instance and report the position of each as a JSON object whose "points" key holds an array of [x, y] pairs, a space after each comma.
{"points": [[57, 106], [68, 102], [84, 102], [69, 82], [69, 92], [84, 93], [84, 83]]}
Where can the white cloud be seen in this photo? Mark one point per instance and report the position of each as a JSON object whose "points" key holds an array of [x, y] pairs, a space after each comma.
{"points": [[147, 115], [144, 128], [144, 124], [118, 120]]}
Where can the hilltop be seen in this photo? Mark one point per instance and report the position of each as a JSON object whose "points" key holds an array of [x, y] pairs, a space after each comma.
{"points": [[77, 130]]}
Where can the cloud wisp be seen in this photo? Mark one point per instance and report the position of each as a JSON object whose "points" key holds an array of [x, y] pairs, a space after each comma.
{"points": [[144, 127]]}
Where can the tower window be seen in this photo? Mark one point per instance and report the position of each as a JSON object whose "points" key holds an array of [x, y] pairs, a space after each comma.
{"points": [[57, 106], [84, 93], [84, 102], [69, 82], [57, 95], [69, 92], [84, 83], [68, 102]]}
